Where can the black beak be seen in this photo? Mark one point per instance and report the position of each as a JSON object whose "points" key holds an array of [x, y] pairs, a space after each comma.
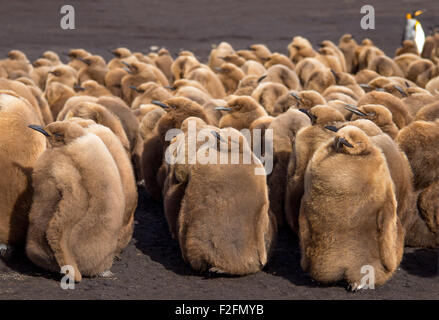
{"points": [[331, 128], [345, 142], [295, 96], [77, 87], [160, 104], [223, 108], [39, 129], [305, 111], [261, 78], [218, 136], [337, 78], [87, 62], [401, 91], [356, 111], [136, 89], [127, 64]]}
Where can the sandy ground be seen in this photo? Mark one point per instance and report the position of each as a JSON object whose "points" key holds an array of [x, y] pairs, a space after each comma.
{"points": [[151, 267]]}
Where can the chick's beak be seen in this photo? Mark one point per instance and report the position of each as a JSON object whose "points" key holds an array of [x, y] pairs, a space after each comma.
{"points": [[400, 90], [331, 128], [312, 117], [77, 87], [356, 111], [160, 104], [39, 129], [223, 108], [261, 78], [87, 62], [295, 96], [343, 141], [218, 136]]}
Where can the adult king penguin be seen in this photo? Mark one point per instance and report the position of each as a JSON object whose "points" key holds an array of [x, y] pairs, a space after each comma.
{"points": [[413, 30]]}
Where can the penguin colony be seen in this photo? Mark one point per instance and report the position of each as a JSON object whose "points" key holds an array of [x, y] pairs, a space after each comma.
{"points": [[355, 140]]}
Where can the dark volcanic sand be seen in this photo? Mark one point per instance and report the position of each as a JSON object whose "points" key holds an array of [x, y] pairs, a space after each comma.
{"points": [[151, 267]]}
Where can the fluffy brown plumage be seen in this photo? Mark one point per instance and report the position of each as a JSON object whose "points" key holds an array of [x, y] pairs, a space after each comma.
{"points": [[78, 192], [20, 149], [349, 172], [216, 230], [308, 139]]}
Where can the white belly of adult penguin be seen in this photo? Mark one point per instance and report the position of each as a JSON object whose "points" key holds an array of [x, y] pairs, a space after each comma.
{"points": [[413, 30]]}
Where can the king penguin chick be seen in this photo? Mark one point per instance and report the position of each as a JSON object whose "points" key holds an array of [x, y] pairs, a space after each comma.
{"points": [[400, 112], [209, 214], [379, 114], [100, 115], [95, 69], [349, 172], [20, 149], [285, 127], [126, 172], [419, 140], [241, 112], [308, 139], [177, 109], [78, 192], [416, 231], [305, 99], [267, 93]]}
